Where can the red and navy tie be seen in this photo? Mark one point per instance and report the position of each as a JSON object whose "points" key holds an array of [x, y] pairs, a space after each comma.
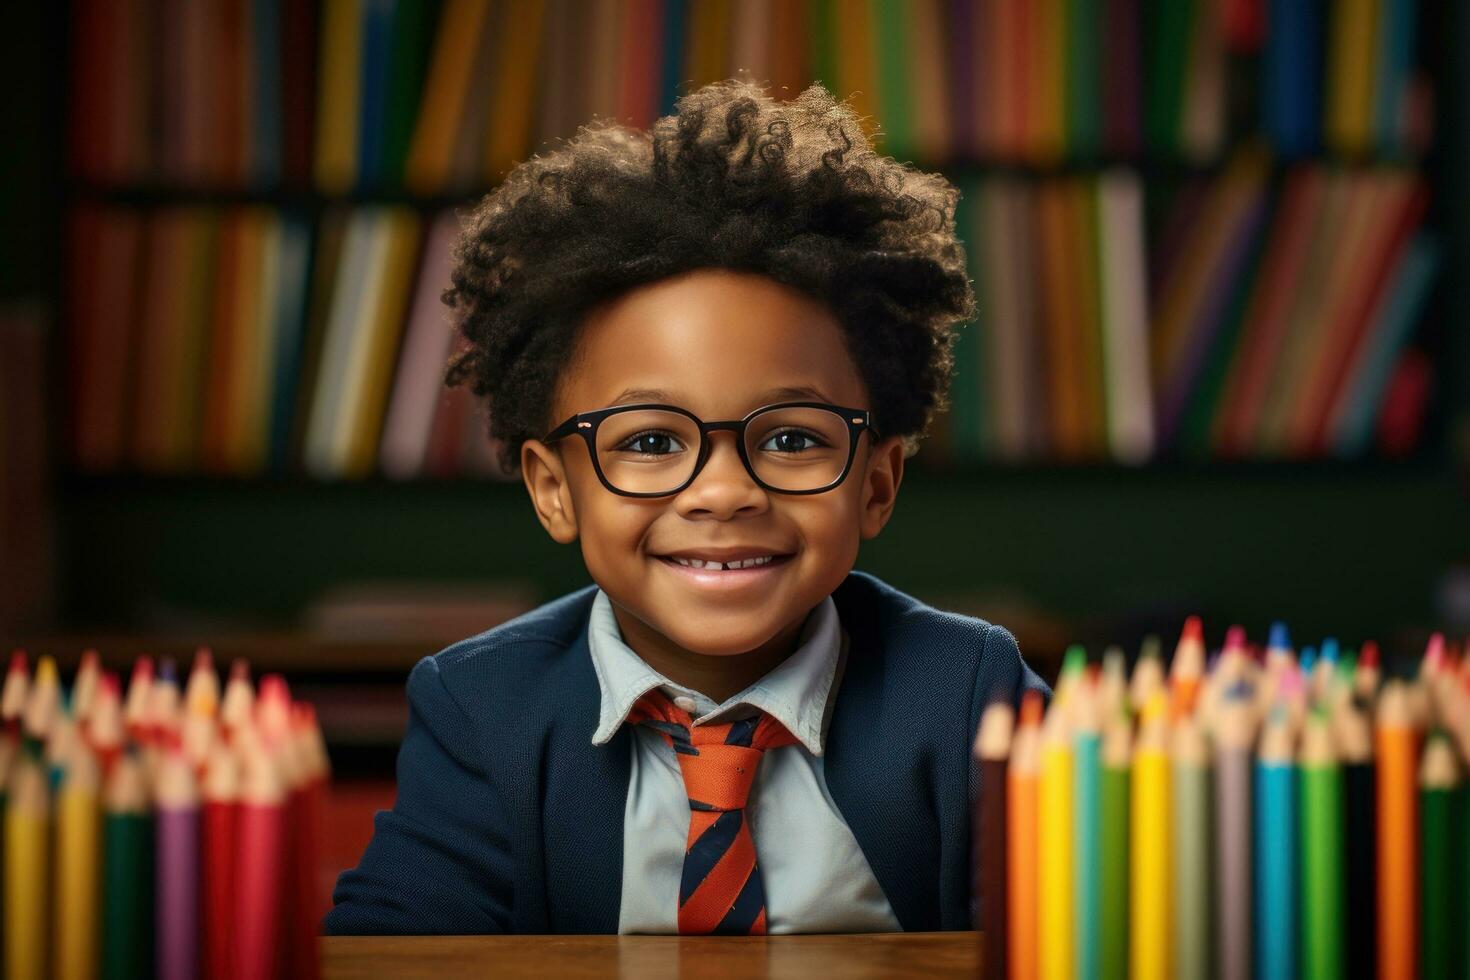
{"points": [[720, 890]]}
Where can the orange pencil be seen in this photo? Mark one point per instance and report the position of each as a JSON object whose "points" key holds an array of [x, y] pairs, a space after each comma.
{"points": [[1188, 668], [1398, 836], [1023, 780]]}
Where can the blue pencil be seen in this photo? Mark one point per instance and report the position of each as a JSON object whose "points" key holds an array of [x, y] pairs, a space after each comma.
{"points": [[1276, 851]]}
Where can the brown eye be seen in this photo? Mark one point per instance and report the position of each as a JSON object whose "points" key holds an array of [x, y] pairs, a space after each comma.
{"points": [[791, 441], [651, 444]]}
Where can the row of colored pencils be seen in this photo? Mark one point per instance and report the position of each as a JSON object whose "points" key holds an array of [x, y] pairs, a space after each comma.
{"points": [[163, 831], [1257, 812]]}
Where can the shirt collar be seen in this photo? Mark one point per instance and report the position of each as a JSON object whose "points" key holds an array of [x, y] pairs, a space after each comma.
{"points": [[797, 693]]}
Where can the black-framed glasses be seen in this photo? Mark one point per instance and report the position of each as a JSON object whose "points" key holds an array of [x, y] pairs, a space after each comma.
{"points": [[654, 450]]}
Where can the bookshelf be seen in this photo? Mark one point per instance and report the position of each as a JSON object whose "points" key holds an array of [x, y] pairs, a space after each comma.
{"points": [[1088, 537]]}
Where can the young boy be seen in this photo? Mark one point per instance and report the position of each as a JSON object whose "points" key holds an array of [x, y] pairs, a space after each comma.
{"points": [[710, 349]]}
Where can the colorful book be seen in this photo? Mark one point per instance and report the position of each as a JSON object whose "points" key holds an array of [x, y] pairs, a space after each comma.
{"points": [[1367, 379], [419, 379], [339, 96], [508, 140], [1352, 69], [441, 108], [1123, 306], [370, 370]]}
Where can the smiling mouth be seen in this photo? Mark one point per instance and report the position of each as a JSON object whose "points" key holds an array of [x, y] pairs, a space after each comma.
{"points": [[736, 565]]}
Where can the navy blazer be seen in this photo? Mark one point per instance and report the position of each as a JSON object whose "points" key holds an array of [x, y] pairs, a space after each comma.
{"points": [[509, 819]]}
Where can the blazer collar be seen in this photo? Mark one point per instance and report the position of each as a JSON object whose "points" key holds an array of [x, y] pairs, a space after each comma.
{"points": [[871, 794], [585, 794]]}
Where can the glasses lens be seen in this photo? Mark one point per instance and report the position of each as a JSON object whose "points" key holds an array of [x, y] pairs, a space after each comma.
{"points": [[798, 448], [647, 451]]}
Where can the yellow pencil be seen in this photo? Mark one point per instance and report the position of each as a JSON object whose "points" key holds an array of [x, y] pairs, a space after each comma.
{"points": [[78, 829], [25, 871], [1054, 952], [1150, 844]]}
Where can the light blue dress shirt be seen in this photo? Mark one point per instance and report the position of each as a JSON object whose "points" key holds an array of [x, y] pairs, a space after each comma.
{"points": [[815, 876]]}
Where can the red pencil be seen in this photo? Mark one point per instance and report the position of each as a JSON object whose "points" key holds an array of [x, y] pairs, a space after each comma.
{"points": [[221, 793], [261, 837], [310, 769]]}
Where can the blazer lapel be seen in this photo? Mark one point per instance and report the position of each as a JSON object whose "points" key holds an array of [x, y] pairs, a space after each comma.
{"points": [[874, 788], [585, 791]]}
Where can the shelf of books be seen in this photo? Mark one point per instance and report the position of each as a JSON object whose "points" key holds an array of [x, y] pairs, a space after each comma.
{"points": [[1198, 230]]}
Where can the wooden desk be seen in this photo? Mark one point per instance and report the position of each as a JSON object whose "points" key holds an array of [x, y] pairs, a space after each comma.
{"points": [[931, 955]]}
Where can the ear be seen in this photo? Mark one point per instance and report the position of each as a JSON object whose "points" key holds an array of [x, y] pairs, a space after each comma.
{"points": [[546, 481], [882, 475]]}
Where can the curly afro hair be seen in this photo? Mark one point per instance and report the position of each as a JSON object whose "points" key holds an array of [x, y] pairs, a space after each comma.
{"points": [[733, 179]]}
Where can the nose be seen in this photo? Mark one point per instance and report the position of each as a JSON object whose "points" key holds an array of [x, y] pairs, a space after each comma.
{"points": [[723, 487]]}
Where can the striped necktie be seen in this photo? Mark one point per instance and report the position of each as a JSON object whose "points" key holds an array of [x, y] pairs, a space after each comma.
{"points": [[720, 890]]}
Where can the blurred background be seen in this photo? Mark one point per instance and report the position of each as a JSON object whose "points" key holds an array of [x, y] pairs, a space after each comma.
{"points": [[1221, 364]]}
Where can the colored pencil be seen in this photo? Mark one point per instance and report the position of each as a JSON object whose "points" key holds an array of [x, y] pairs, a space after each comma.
{"points": [[238, 701], [15, 693], [1275, 849], [1113, 686], [1086, 835], [1320, 793], [1022, 820], [1235, 730], [104, 727], [27, 877], [1398, 833], [176, 832], [1150, 846], [78, 837], [1366, 675], [127, 872], [992, 749], [1189, 782], [136, 705], [201, 708], [43, 705], [1055, 856], [261, 836], [164, 714], [1442, 941], [1113, 806], [220, 792], [1187, 669], [1148, 674], [314, 771], [1355, 746], [84, 686]]}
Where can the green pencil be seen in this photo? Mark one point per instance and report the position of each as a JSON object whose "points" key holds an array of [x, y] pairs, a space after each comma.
{"points": [[127, 873], [1321, 852], [1117, 767], [1439, 804]]}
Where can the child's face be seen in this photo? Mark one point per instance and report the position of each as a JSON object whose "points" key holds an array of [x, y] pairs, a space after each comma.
{"points": [[718, 344]]}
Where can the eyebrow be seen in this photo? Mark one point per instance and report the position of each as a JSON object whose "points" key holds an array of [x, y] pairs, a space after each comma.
{"points": [[633, 395]]}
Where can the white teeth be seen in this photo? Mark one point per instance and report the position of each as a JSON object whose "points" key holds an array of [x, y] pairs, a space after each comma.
{"points": [[741, 563]]}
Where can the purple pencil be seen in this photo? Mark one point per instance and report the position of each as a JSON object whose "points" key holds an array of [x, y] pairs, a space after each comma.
{"points": [[177, 868]]}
